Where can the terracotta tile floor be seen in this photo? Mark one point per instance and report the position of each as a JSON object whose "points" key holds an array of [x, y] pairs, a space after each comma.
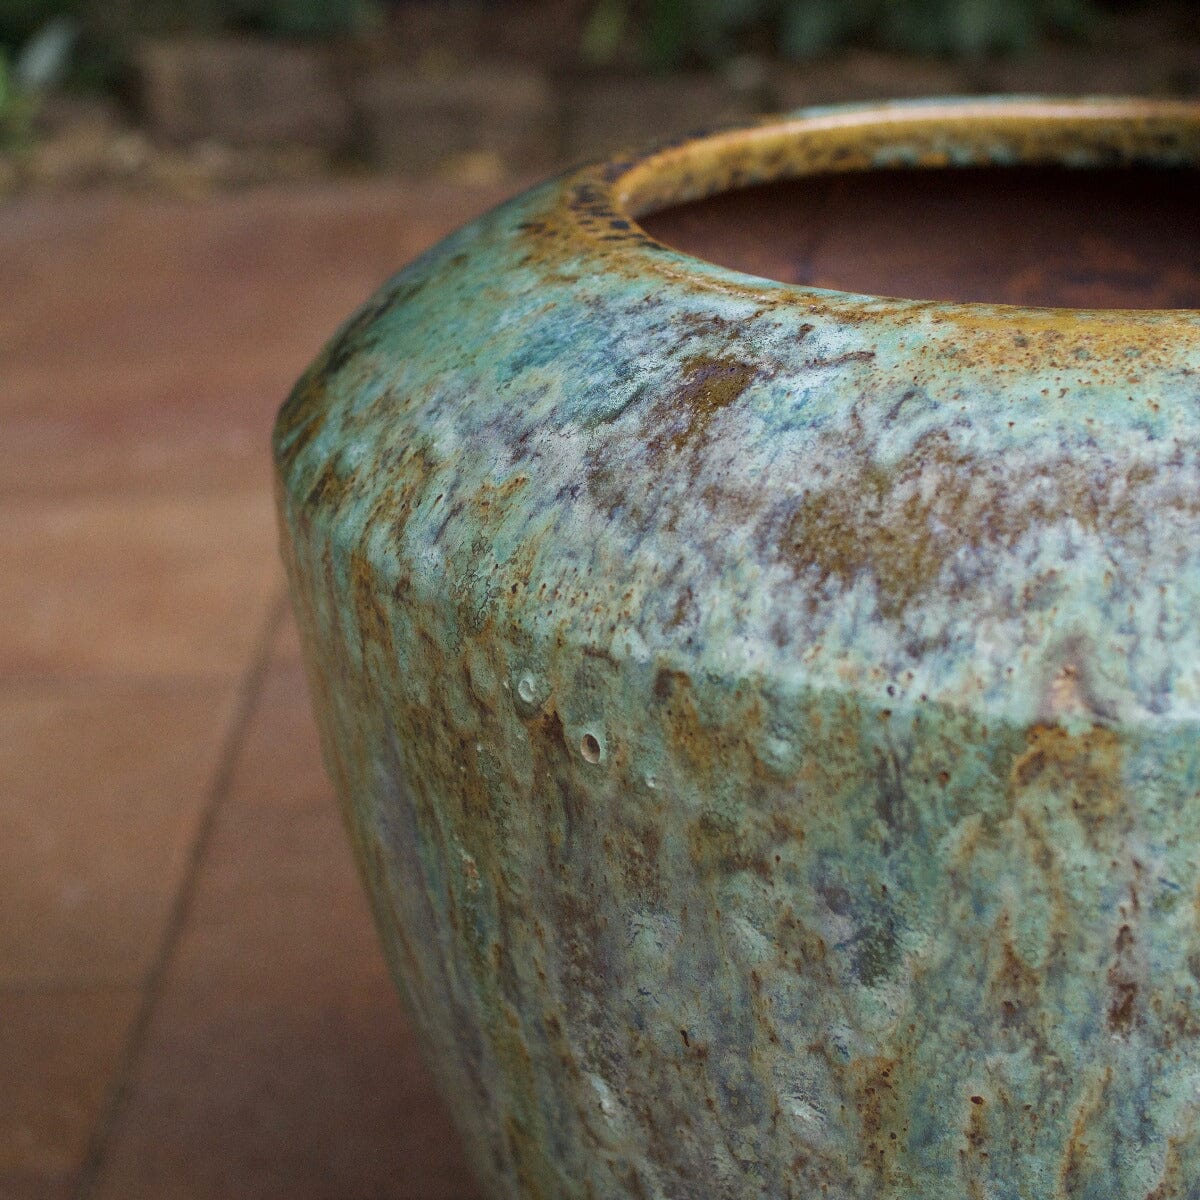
{"points": [[191, 999]]}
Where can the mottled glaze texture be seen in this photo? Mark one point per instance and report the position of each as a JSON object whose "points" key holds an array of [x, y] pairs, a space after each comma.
{"points": [[766, 718]]}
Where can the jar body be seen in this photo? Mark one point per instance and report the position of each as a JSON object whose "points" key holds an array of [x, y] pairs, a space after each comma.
{"points": [[766, 726]]}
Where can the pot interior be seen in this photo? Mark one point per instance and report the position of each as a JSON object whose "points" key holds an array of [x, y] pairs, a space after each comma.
{"points": [[1103, 237]]}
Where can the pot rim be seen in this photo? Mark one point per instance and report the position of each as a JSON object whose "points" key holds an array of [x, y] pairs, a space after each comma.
{"points": [[605, 200]]}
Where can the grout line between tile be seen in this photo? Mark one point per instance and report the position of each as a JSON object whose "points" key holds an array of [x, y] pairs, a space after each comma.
{"points": [[117, 1099]]}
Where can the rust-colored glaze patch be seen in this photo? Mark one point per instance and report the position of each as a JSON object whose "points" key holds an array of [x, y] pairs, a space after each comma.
{"points": [[1015, 987], [1082, 770], [882, 1108], [709, 384], [905, 523], [1083, 1165]]}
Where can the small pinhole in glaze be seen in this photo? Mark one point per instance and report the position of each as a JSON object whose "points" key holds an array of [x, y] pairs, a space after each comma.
{"points": [[590, 748]]}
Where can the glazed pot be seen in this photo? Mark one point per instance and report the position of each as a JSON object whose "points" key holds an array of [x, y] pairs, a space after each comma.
{"points": [[766, 717]]}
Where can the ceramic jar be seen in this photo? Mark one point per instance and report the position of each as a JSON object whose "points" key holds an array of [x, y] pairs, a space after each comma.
{"points": [[766, 717]]}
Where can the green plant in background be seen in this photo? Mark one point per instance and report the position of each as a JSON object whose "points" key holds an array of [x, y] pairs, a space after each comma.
{"points": [[673, 33], [104, 32], [947, 27], [21, 19], [40, 66], [16, 109], [115, 22]]}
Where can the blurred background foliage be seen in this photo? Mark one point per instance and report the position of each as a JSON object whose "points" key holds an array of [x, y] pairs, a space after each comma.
{"points": [[676, 33], [669, 33], [20, 19], [105, 29], [16, 107]]}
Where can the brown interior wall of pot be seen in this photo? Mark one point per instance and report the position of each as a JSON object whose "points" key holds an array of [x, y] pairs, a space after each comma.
{"points": [[1125, 237]]}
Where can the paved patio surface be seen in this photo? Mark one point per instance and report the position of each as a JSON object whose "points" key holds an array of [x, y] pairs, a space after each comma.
{"points": [[192, 1003]]}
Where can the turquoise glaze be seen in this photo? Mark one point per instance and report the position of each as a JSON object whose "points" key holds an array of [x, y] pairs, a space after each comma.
{"points": [[766, 718]]}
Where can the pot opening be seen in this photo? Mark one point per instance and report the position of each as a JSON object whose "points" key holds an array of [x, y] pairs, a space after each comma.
{"points": [[1075, 204], [1125, 237]]}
